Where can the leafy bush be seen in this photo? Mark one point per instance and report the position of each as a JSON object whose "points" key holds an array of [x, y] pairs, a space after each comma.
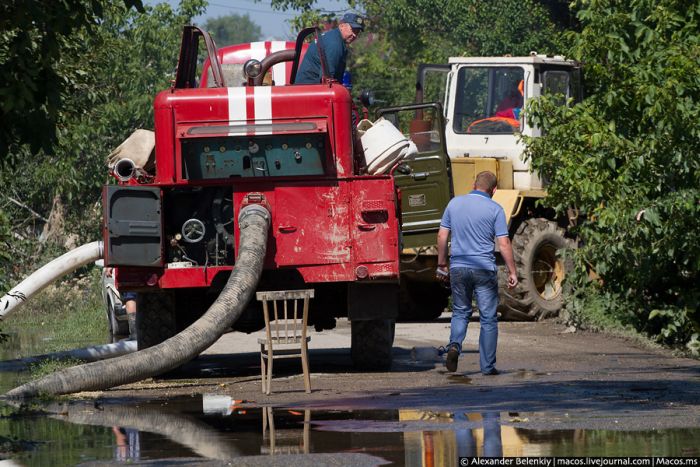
{"points": [[113, 69], [628, 158]]}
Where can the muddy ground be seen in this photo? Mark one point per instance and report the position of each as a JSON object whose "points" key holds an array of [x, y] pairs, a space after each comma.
{"points": [[573, 380]]}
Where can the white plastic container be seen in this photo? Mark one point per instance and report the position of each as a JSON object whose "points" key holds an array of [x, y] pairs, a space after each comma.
{"points": [[382, 143]]}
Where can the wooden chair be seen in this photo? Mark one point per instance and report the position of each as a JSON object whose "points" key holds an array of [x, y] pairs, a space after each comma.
{"points": [[285, 332]]}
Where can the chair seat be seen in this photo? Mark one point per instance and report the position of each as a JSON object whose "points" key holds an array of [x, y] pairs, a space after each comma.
{"points": [[282, 340]]}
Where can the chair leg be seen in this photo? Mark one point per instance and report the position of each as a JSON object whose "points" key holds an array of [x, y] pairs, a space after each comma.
{"points": [[263, 370], [269, 368], [305, 366]]}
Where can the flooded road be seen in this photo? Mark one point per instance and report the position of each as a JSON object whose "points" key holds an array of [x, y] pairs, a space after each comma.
{"points": [[216, 427], [558, 395]]}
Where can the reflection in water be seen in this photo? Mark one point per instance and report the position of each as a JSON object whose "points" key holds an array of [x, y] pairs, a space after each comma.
{"points": [[127, 444], [291, 442], [220, 427], [474, 435], [185, 430], [466, 441]]}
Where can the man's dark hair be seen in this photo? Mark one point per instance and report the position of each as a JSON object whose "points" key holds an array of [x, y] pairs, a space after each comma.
{"points": [[485, 181]]}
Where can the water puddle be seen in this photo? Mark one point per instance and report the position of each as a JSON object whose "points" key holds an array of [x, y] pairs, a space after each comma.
{"points": [[194, 429]]}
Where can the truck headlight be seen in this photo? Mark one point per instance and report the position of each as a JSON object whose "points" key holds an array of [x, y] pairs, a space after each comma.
{"points": [[252, 68]]}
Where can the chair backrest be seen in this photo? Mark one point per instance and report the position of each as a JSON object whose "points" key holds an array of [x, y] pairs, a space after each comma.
{"points": [[285, 320]]}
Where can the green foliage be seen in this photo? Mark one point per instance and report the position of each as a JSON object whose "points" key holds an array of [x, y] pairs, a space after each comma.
{"points": [[628, 158], [64, 316], [46, 367], [405, 33], [34, 35], [233, 29]]}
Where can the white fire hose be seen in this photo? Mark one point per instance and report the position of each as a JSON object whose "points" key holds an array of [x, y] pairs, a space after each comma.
{"points": [[48, 273]]}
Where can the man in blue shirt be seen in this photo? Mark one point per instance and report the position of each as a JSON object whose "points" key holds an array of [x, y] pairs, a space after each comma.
{"points": [[334, 44], [473, 221]]}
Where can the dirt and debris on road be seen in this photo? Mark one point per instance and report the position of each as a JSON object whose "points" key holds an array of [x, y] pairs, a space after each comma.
{"points": [[586, 378], [560, 394]]}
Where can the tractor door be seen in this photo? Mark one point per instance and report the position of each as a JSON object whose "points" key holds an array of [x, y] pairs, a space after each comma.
{"points": [[431, 83], [424, 180]]}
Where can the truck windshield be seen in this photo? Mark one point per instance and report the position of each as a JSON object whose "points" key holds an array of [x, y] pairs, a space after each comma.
{"points": [[488, 100]]}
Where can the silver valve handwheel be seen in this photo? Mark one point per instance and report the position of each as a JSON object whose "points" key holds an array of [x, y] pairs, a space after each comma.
{"points": [[193, 230]]}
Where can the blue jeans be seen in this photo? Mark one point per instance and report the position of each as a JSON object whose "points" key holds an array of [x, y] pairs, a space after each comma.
{"points": [[466, 283]]}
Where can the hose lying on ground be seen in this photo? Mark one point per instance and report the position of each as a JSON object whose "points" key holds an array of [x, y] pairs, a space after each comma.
{"points": [[47, 274], [88, 354], [254, 222]]}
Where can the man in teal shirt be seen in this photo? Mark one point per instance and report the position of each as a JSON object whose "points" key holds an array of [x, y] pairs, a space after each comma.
{"points": [[334, 44]]}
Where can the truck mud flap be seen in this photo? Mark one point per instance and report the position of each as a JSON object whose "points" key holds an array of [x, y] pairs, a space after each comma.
{"points": [[373, 301]]}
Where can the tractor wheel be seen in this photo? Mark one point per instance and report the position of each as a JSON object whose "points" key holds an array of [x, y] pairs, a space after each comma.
{"points": [[540, 292], [371, 344], [155, 318]]}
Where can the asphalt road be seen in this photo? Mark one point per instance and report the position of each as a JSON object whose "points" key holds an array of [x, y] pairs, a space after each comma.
{"points": [[560, 379]]}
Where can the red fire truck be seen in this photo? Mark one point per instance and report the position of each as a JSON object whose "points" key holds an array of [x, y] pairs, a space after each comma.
{"points": [[242, 132]]}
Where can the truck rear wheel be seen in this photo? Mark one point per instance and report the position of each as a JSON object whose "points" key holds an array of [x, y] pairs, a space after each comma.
{"points": [[541, 272], [155, 318], [371, 344]]}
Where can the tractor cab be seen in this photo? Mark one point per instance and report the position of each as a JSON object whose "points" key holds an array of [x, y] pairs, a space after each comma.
{"points": [[484, 99]]}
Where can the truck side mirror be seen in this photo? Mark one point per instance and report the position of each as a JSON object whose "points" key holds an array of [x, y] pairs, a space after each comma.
{"points": [[367, 98]]}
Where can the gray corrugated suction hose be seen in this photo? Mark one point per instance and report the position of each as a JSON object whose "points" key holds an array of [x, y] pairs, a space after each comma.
{"points": [[254, 223]]}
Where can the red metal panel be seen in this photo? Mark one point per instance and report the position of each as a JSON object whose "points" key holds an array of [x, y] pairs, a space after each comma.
{"points": [[214, 106], [151, 278], [310, 225], [374, 226], [165, 138], [341, 272], [309, 222]]}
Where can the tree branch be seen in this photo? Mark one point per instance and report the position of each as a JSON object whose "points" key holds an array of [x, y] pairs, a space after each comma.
{"points": [[22, 205]]}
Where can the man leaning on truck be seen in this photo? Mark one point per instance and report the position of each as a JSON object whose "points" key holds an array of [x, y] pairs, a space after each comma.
{"points": [[334, 44], [473, 221]]}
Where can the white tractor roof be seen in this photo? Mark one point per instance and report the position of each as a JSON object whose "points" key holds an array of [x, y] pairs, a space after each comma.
{"points": [[531, 59]]}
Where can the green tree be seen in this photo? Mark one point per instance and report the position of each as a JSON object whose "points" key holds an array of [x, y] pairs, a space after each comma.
{"points": [[405, 33], [34, 35], [118, 67], [233, 29], [628, 158]]}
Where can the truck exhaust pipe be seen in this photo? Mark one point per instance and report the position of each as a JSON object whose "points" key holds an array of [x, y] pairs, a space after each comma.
{"points": [[254, 224]]}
